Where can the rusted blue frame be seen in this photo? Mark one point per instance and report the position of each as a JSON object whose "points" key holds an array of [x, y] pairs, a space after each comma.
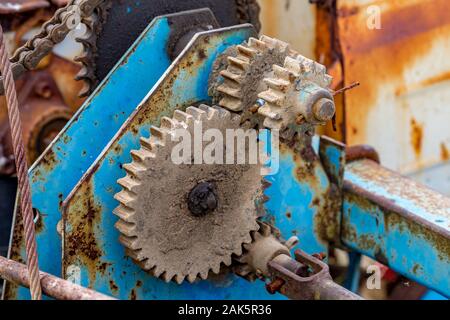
{"points": [[62, 165], [398, 222]]}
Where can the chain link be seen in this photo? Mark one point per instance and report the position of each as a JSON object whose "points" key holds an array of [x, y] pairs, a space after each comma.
{"points": [[52, 32]]}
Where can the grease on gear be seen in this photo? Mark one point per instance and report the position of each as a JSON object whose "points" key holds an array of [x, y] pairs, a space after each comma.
{"points": [[156, 224]]}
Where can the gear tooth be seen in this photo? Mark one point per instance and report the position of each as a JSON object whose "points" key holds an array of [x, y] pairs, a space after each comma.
{"points": [[141, 155], [229, 91], [134, 169], [125, 197], [281, 72], [272, 97], [293, 65], [247, 51], [129, 242], [269, 112], [216, 268], [149, 265], [273, 124], [137, 256], [158, 133], [166, 276], [182, 116], [277, 84], [192, 277], [147, 144], [157, 271], [239, 64], [196, 113], [227, 261], [211, 112], [257, 44], [231, 103], [266, 184], [167, 123], [129, 183], [125, 213], [179, 278], [125, 228], [265, 229], [232, 77]]}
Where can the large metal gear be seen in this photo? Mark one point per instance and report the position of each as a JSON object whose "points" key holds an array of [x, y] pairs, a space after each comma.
{"points": [[298, 95], [181, 221], [243, 77]]}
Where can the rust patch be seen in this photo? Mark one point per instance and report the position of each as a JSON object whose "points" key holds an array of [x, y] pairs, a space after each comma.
{"points": [[80, 242], [378, 59], [133, 295], [444, 152], [416, 137]]}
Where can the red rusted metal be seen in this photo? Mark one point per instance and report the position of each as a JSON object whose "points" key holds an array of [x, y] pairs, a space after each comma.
{"points": [[52, 286], [361, 152], [316, 285]]}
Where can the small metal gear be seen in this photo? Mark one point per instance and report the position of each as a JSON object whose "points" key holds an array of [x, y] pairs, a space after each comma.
{"points": [[245, 71], [181, 221], [298, 95], [265, 246]]}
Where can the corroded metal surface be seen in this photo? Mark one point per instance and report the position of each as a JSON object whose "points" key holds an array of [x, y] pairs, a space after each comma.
{"points": [[51, 286], [398, 222], [306, 278], [401, 107]]}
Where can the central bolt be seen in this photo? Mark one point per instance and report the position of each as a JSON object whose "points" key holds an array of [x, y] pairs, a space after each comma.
{"points": [[203, 199], [324, 109]]}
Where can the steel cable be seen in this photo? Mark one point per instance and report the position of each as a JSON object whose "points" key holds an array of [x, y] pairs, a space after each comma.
{"points": [[22, 171]]}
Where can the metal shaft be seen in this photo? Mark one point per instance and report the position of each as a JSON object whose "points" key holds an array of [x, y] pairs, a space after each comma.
{"points": [[22, 170], [52, 286]]}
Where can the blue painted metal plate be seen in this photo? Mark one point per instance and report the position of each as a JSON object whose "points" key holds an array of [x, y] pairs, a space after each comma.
{"points": [[62, 165], [398, 222]]}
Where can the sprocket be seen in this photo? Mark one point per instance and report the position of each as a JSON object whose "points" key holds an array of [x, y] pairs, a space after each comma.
{"points": [[182, 221]]}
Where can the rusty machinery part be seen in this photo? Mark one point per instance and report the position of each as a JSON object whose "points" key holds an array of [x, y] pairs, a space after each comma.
{"points": [[245, 71], [266, 245], [183, 221], [51, 33], [117, 35], [43, 113], [298, 97]]}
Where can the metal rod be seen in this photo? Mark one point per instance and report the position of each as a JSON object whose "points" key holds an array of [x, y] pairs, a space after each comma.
{"points": [[52, 286]]}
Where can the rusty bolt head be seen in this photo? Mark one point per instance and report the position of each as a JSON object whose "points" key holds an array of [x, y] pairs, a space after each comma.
{"points": [[324, 109], [275, 285]]}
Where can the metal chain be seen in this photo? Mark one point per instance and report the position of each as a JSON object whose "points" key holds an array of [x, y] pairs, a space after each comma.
{"points": [[22, 171], [52, 32]]}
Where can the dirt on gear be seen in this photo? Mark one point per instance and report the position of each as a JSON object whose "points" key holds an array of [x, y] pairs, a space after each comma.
{"points": [[183, 221]]}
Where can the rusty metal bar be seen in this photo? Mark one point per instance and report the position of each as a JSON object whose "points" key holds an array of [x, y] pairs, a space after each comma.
{"points": [[291, 279], [398, 222], [52, 286]]}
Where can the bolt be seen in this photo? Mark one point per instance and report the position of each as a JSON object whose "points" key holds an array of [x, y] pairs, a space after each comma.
{"points": [[202, 199], [275, 286], [324, 109]]}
